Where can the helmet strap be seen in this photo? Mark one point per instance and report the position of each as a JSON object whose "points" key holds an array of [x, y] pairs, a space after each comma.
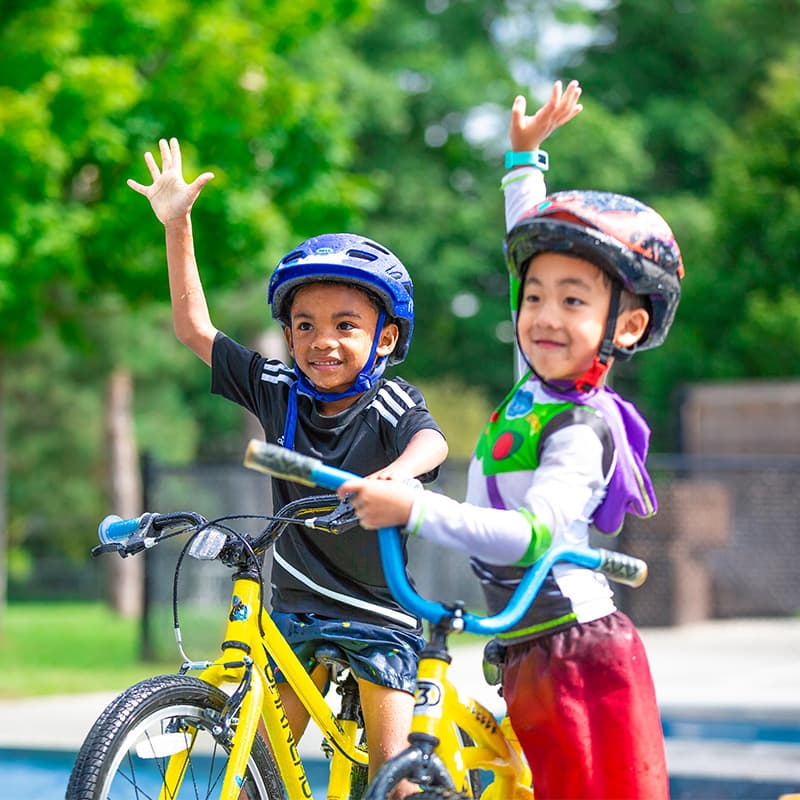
{"points": [[593, 376], [370, 373]]}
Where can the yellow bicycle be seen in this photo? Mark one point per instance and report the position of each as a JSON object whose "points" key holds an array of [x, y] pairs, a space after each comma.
{"points": [[453, 738], [178, 736]]}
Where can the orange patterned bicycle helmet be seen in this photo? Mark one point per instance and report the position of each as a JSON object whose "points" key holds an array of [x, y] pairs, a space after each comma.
{"points": [[621, 235]]}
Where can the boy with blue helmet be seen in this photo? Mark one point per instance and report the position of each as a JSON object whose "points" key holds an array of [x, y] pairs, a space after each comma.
{"points": [[346, 306], [596, 277]]}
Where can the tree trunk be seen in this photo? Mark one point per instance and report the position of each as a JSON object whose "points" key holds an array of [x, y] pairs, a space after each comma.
{"points": [[125, 576]]}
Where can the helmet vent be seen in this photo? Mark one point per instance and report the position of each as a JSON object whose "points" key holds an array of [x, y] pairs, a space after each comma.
{"points": [[292, 257], [363, 255], [376, 246]]}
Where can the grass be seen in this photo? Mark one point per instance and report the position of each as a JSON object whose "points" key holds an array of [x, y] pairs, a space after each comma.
{"points": [[65, 648], [70, 648]]}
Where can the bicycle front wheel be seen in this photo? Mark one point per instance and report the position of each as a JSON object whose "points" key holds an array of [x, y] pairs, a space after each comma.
{"points": [[125, 754]]}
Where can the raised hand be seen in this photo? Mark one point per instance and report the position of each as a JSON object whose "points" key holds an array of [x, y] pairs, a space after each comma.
{"points": [[528, 132], [169, 194]]}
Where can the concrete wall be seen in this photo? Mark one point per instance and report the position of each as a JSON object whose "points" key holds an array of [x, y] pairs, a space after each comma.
{"points": [[753, 418]]}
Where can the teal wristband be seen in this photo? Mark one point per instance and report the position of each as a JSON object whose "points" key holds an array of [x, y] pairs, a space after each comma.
{"points": [[528, 158]]}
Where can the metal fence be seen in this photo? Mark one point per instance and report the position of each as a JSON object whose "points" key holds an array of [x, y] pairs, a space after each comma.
{"points": [[725, 543]]}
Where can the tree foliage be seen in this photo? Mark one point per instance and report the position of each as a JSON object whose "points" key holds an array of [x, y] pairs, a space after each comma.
{"points": [[385, 117], [711, 86], [85, 89], [88, 87]]}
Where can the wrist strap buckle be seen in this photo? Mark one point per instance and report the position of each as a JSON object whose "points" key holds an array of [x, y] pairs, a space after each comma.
{"points": [[528, 158]]}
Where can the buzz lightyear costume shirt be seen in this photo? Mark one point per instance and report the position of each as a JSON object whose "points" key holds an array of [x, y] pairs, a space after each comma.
{"points": [[547, 466]]}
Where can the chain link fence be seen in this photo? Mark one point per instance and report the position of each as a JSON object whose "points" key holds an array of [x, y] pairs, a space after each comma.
{"points": [[724, 544]]}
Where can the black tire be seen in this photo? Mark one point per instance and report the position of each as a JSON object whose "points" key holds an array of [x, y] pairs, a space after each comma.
{"points": [[108, 766], [412, 765]]}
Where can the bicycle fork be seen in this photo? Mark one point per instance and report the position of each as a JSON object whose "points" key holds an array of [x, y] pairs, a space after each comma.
{"points": [[436, 755], [257, 693]]}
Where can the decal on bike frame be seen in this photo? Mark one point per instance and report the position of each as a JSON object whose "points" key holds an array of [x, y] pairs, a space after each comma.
{"points": [[429, 698], [239, 610]]}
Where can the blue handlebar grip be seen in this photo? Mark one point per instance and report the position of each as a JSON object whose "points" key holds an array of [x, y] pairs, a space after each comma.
{"points": [[115, 529]]}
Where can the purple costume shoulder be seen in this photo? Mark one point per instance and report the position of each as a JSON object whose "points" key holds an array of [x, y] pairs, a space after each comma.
{"points": [[630, 490]]}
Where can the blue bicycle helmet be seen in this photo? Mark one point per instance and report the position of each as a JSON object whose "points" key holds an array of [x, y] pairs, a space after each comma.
{"points": [[354, 260]]}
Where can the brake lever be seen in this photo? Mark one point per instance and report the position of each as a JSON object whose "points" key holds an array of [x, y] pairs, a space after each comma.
{"points": [[123, 550], [343, 518]]}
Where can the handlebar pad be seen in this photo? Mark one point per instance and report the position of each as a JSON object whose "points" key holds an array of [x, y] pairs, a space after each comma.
{"points": [[291, 466], [622, 568]]}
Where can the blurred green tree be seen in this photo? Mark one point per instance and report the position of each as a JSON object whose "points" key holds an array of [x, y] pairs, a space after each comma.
{"points": [[435, 144], [85, 89], [386, 117], [709, 86]]}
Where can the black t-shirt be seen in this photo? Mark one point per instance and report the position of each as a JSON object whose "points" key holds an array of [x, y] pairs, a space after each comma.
{"points": [[314, 572]]}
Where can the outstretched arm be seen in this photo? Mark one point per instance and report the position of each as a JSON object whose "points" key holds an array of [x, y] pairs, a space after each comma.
{"points": [[564, 489], [524, 187], [494, 535], [172, 200]]}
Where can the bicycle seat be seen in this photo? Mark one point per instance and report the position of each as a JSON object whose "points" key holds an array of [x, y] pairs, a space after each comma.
{"points": [[331, 655]]}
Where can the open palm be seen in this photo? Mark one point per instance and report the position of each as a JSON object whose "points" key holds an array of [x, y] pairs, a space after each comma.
{"points": [[169, 194], [528, 132]]}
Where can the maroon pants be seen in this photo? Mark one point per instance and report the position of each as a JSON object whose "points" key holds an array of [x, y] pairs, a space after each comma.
{"points": [[583, 705]]}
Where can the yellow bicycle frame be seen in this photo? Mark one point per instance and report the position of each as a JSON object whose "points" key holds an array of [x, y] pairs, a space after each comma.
{"points": [[243, 638], [439, 708]]}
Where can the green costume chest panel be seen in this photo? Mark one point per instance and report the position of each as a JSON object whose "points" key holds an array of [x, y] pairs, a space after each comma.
{"points": [[510, 440]]}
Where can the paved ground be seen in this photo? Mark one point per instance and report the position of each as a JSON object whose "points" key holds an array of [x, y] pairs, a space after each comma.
{"points": [[745, 672]]}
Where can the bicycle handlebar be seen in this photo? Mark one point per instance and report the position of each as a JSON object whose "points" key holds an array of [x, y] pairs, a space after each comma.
{"points": [[289, 465], [129, 536]]}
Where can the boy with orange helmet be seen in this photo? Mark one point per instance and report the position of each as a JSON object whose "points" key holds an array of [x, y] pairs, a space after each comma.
{"points": [[595, 277]]}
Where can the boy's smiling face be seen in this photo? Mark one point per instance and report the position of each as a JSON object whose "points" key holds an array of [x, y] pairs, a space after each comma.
{"points": [[331, 334], [562, 316]]}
